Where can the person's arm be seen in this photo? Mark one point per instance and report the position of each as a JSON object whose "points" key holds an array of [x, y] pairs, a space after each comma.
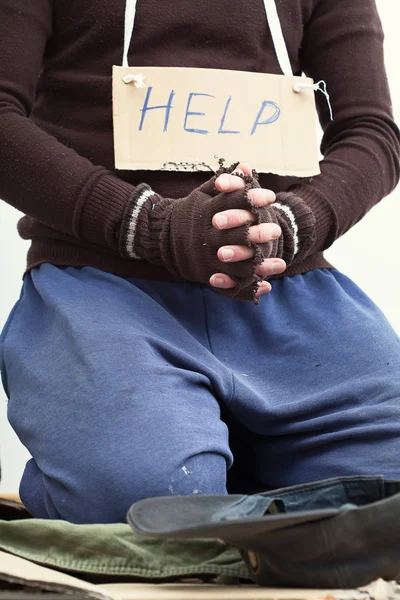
{"points": [[343, 45], [38, 175], [54, 185]]}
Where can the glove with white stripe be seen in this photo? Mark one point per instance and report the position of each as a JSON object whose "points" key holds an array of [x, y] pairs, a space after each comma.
{"points": [[297, 222]]}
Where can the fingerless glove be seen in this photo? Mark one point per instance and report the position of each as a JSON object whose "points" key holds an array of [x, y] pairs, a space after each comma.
{"points": [[179, 234]]}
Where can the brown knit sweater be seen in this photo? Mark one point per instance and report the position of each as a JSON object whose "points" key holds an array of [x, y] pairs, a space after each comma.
{"points": [[56, 139]]}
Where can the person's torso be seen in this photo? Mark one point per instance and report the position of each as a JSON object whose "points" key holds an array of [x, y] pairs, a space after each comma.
{"points": [[74, 96]]}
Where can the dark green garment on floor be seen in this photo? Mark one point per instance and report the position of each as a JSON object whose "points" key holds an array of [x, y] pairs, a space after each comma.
{"points": [[115, 551]]}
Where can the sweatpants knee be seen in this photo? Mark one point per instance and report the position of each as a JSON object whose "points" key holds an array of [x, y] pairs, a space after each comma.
{"points": [[105, 494]]}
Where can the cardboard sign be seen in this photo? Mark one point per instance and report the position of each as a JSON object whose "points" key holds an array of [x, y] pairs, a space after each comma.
{"points": [[186, 119]]}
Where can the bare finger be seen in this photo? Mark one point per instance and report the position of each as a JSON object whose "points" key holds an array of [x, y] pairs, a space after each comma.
{"points": [[245, 168], [271, 266], [260, 234], [263, 288], [234, 217], [222, 281], [261, 197], [229, 183], [234, 253]]}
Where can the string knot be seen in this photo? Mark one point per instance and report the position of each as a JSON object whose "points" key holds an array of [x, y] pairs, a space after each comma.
{"points": [[138, 80], [320, 86]]}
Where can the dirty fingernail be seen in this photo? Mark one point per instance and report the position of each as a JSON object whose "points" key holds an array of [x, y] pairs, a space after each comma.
{"points": [[223, 182], [221, 220], [275, 232], [218, 282], [227, 254]]}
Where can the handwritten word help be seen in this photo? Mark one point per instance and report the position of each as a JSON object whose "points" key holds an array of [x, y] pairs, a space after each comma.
{"points": [[194, 117]]}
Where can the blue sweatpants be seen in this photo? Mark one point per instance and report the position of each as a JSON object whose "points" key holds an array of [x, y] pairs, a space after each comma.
{"points": [[124, 389]]}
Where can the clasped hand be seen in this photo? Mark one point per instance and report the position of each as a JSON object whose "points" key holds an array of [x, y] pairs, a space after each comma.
{"points": [[258, 234]]}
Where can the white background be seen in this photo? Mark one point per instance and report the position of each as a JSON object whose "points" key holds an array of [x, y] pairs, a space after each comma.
{"points": [[369, 254]]}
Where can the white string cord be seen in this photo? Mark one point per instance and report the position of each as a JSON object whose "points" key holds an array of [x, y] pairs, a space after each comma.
{"points": [[272, 19], [320, 86], [130, 13], [277, 37]]}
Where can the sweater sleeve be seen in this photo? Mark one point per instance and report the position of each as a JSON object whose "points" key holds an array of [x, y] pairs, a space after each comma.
{"points": [[343, 45], [36, 171]]}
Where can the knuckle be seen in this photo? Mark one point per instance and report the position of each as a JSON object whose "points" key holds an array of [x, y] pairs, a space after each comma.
{"points": [[235, 183], [258, 231], [244, 253], [262, 271], [266, 232], [241, 217]]}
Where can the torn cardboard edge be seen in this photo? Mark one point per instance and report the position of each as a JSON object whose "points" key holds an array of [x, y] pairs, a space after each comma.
{"points": [[193, 167], [22, 572]]}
